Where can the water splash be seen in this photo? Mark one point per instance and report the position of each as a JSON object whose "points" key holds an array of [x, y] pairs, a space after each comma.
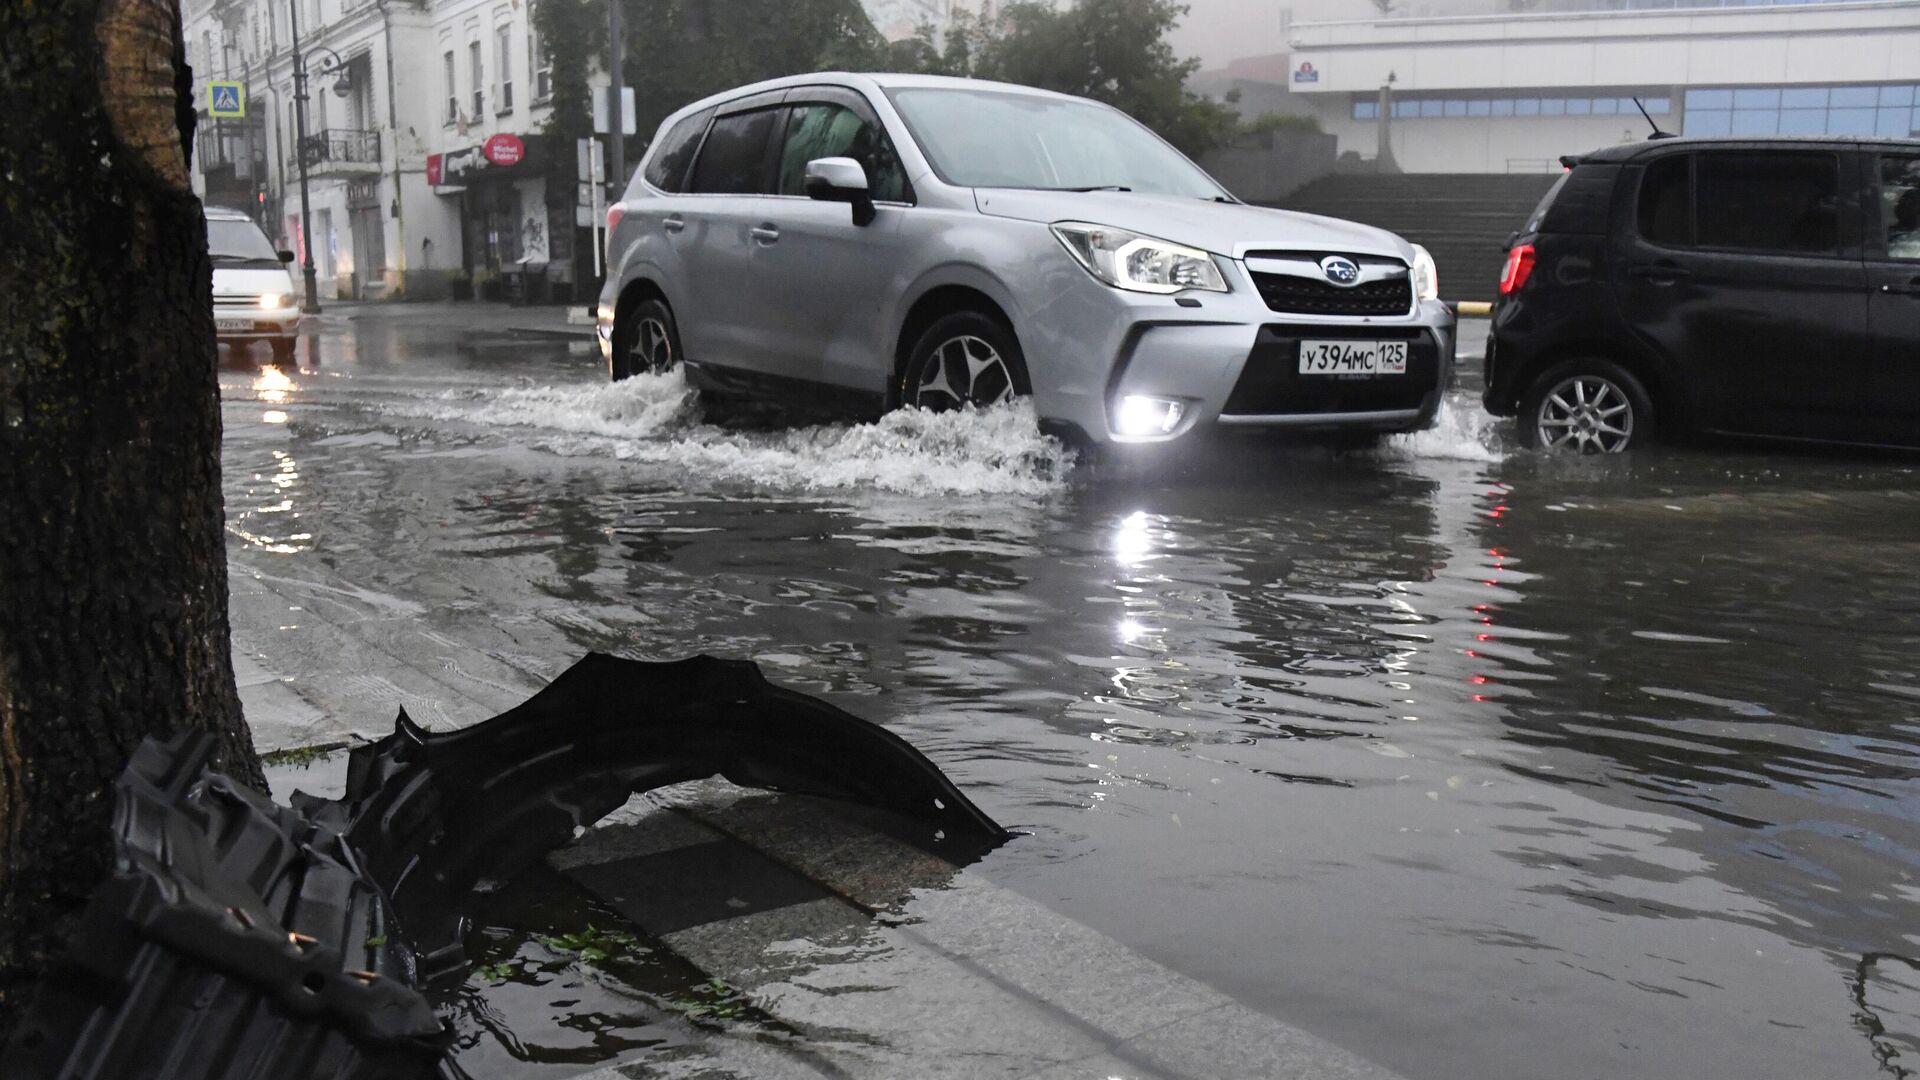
{"points": [[657, 420], [1458, 434]]}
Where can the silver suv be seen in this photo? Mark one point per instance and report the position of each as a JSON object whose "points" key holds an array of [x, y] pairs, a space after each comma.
{"points": [[873, 241]]}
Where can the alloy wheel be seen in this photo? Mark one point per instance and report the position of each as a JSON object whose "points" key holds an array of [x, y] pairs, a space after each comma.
{"points": [[1587, 413], [964, 370], [652, 350]]}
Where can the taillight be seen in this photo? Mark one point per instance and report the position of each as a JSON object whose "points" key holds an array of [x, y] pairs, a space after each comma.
{"points": [[614, 214], [1519, 267]]}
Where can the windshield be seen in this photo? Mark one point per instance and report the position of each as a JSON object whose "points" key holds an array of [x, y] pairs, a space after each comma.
{"points": [[242, 241], [985, 138]]}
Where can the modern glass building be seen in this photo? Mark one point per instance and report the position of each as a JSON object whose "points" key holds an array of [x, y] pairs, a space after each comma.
{"points": [[1513, 91]]}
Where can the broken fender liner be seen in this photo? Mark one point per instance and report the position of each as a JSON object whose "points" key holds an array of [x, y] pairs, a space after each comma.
{"points": [[241, 939]]}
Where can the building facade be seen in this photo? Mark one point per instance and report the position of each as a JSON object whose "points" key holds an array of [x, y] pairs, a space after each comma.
{"points": [[1512, 92]]}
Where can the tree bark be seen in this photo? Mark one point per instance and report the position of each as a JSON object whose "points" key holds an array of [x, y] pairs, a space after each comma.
{"points": [[113, 574]]}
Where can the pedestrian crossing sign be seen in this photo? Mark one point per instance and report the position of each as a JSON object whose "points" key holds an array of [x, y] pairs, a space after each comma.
{"points": [[226, 99]]}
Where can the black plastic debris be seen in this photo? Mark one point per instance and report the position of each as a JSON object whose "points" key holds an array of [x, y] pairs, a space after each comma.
{"points": [[238, 938]]}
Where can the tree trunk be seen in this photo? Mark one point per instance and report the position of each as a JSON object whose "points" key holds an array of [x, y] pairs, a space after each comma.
{"points": [[113, 574]]}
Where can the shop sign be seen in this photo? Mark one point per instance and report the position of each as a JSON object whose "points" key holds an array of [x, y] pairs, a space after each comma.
{"points": [[1306, 73], [504, 149]]}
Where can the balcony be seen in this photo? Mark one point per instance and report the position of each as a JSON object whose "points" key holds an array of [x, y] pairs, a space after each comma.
{"points": [[342, 152]]}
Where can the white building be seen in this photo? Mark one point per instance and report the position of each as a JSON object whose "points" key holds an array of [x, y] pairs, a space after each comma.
{"points": [[1513, 91]]}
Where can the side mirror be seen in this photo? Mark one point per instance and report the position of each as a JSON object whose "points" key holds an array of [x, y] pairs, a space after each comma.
{"points": [[285, 255], [841, 179]]}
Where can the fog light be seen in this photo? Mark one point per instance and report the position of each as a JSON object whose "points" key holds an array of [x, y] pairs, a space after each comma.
{"points": [[1142, 415]]}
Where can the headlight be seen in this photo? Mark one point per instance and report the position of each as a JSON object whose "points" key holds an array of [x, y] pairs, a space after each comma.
{"points": [[1426, 276], [1127, 260], [271, 301]]}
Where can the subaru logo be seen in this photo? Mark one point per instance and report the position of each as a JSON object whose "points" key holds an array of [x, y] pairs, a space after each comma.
{"points": [[1340, 270]]}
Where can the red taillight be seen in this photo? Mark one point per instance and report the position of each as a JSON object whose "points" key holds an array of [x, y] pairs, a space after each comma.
{"points": [[614, 214], [1519, 267]]}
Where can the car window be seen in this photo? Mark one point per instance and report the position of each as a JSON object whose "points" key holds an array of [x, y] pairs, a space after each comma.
{"points": [[668, 167], [817, 131], [1539, 215], [1666, 202], [733, 160], [1782, 202], [231, 241], [1900, 205], [987, 138]]}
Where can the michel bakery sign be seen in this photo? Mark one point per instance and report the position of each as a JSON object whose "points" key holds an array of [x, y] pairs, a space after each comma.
{"points": [[501, 157]]}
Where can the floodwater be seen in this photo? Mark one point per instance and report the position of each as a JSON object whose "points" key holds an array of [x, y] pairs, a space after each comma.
{"points": [[1486, 765]]}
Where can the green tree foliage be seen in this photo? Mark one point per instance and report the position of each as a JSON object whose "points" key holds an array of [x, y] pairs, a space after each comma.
{"points": [[679, 51], [1114, 51]]}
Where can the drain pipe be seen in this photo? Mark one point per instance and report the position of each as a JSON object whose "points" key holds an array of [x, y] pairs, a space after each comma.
{"points": [[393, 126]]}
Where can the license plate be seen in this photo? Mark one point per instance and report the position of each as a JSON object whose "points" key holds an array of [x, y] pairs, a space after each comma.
{"points": [[1353, 358], [233, 324]]}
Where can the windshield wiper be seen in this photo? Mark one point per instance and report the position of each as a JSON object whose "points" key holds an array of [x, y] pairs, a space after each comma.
{"points": [[1097, 187]]}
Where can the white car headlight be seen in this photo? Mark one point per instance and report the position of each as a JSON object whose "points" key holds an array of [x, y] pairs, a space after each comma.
{"points": [[1127, 260], [274, 301], [1426, 276]]}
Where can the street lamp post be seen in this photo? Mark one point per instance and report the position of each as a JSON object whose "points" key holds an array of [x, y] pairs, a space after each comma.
{"points": [[311, 305]]}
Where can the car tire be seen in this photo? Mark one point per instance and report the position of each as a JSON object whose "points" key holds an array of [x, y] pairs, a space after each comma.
{"points": [[646, 340], [1588, 406], [283, 349], [965, 358]]}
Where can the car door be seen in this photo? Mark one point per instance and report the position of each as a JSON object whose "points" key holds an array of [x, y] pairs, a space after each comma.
{"points": [[1749, 286], [827, 279], [725, 202], [1893, 297]]}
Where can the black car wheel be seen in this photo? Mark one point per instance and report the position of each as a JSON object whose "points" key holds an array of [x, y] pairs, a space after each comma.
{"points": [[645, 340], [1586, 407], [965, 358]]}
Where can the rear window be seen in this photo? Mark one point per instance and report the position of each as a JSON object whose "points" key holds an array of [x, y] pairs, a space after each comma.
{"points": [[668, 167], [1579, 202], [1782, 202], [1539, 216], [734, 161]]}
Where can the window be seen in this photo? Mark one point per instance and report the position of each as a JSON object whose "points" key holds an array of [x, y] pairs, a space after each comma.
{"points": [[503, 68], [668, 167], [1803, 110], [477, 74], [1779, 202], [734, 157], [1366, 110], [1900, 206], [1666, 202], [537, 61], [453, 95], [823, 131]]}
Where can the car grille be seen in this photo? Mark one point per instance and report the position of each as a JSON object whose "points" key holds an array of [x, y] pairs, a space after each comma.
{"points": [[1305, 296], [1271, 384], [247, 300]]}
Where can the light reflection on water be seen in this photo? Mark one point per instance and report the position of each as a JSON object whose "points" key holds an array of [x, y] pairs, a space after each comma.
{"points": [[1486, 768]]}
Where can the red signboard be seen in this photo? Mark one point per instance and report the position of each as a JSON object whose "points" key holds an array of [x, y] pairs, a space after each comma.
{"points": [[433, 169], [504, 149]]}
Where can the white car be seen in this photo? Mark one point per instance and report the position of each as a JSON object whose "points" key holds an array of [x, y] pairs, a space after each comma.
{"points": [[254, 298]]}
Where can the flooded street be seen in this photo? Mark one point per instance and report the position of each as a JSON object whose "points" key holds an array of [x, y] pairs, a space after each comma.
{"points": [[1484, 765]]}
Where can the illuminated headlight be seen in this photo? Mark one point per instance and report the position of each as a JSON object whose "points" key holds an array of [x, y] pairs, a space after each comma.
{"points": [[273, 301], [1426, 276], [1139, 414], [1127, 260]]}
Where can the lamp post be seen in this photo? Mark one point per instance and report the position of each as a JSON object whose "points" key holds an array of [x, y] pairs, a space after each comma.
{"points": [[331, 65]]}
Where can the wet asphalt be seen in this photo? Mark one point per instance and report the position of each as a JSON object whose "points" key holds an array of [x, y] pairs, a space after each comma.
{"points": [[1479, 763]]}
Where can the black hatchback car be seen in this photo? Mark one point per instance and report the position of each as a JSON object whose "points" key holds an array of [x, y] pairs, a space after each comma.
{"points": [[1766, 287]]}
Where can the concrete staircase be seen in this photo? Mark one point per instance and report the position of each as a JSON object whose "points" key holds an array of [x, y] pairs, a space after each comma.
{"points": [[1464, 219]]}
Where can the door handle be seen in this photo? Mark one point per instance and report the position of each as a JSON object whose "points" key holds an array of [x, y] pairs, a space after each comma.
{"points": [[673, 223], [766, 234], [1661, 273], [1911, 288]]}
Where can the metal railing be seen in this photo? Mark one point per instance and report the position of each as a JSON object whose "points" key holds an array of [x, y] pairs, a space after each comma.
{"points": [[343, 145]]}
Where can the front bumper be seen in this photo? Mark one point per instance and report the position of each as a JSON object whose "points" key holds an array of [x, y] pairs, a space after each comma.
{"points": [[1230, 362], [253, 323]]}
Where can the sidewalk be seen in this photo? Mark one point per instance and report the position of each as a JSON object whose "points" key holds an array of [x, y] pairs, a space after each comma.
{"points": [[554, 320]]}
